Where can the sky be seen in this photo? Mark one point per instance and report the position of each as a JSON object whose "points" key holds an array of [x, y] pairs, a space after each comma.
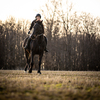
{"points": [[89, 6], [27, 9]]}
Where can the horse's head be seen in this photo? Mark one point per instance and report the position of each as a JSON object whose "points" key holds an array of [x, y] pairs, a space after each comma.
{"points": [[37, 28]]}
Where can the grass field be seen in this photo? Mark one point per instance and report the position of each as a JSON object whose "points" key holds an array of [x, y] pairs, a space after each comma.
{"points": [[50, 85]]}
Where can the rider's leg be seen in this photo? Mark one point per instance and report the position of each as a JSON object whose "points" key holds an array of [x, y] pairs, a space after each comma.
{"points": [[28, 43], [46, 44]]}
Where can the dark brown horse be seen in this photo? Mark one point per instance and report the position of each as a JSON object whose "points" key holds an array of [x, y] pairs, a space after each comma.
{"points": [[37, 46]]}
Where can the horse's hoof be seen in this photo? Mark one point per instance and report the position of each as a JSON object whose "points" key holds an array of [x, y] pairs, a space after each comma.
{"points": [[25, 71], [39, 72], [30, 72]]}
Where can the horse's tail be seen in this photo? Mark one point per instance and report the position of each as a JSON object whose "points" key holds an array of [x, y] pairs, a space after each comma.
{"points": [[24, 42]]}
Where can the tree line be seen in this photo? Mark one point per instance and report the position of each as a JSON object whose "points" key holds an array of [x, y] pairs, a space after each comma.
{"points": [[73, 40]]}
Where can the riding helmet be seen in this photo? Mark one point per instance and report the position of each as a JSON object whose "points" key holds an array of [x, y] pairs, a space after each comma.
{"points": [[38, 15]]}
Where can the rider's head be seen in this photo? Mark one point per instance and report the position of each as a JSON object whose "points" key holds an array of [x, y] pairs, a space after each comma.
{"points": [[38, 17]]}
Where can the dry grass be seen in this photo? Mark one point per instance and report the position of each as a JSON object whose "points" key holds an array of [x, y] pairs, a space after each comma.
{"points": [[51, 85]]}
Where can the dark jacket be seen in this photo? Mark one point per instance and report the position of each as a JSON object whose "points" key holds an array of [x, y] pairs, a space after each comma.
{"points": [[32, 24]]}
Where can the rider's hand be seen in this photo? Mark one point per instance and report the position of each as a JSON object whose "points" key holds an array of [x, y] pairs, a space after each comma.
{"points": [[29, 32]]}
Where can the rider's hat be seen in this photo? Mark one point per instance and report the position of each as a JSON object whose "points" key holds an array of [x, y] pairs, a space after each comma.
{"points": [[38, 15]]}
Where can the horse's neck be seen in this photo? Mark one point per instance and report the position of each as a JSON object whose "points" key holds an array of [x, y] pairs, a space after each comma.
{"points": [[40, 39]]}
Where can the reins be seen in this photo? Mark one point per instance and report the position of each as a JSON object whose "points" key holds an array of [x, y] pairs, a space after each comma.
{"points": [[36, 36]]}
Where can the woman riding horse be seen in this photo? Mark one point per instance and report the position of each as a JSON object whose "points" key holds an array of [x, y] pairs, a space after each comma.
{"points": [[38, 18]]}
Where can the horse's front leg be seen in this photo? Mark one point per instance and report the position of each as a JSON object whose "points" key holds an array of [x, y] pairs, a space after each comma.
{"points": [[32, 63], [40, 59]]}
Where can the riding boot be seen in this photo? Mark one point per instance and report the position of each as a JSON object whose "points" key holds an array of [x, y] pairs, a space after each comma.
{"points": [[46, 45], [46, 50], [28, 43]]}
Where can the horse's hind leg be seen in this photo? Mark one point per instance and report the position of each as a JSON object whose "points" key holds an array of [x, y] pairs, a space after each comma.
{"points": [[26, 67], [28, 61], [32, 63], [40, 59]]}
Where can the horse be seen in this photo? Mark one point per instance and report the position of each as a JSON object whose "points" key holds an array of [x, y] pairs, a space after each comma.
{"points": [[37, 46]]}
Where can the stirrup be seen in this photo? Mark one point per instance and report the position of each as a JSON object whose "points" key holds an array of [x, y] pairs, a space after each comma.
{"points": [[26, 48], [46, 50]]}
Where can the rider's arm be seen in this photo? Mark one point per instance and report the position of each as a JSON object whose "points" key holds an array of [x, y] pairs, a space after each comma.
{"points": [[42, 28], [32, 24]]}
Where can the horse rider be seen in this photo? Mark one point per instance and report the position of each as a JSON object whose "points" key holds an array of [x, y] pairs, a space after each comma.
{"points": [[38, 18]]}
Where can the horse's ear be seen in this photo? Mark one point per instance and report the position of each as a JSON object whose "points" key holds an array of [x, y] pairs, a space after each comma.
{"points": [[41, 21]]}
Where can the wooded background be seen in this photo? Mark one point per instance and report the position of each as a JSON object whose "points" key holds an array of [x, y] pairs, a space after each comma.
{"points": [[73, 40]]}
